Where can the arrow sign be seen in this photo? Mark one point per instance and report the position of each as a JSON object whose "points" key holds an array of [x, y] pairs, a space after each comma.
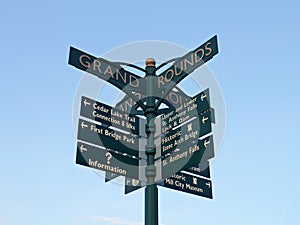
{"points": [[187, 157], [102, 159], [201, 170], [191, 107], [186, 64], [108, 138], [189, 184], [186, 133], [106, 70], [180, 136], [108, 115]]}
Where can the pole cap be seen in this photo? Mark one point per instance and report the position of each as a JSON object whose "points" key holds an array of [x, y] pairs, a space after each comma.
{"points": [[150, 62]]}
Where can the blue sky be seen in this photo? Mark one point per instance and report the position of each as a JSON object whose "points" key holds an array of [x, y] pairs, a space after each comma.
{"points": [[256, 174]]}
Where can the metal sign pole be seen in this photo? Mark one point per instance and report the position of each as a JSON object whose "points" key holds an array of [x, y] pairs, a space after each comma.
{"points": [[151, 191]]}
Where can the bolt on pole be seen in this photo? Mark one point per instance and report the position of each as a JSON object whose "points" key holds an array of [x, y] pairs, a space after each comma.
{"points": [[151, 191]]}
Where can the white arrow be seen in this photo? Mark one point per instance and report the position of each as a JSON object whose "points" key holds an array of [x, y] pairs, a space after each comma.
{"points": [[83, 125], [203, 96], [208, 184], [206, 143], [85, 102], [204, 119], [82, 148], [128, 181]]}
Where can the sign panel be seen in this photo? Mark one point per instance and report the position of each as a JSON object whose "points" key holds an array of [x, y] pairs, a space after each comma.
{"points": [[198, 105], [108, 138], [202, 169], [186, 157], [106, 70], [185, 134], [101, 159], [181, 181], [108, 115], [186, 64], [189, 184]]}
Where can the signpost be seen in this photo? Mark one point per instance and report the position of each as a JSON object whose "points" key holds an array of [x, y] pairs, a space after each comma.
{"points": [[115, 145]]}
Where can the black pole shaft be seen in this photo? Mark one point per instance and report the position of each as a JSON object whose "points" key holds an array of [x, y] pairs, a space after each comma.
{"points": [[151, 191]]}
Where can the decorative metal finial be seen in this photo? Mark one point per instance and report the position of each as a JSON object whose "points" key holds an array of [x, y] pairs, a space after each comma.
{"points": [[150, 62]]}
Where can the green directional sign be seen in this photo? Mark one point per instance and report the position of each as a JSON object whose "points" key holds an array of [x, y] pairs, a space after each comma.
{"points": [[189, 184], [186, 157], [185, 134], [106, 70], [195, 106], [180, 136], [101, 159], [202, 170], [186, 64], [103, 136], [180, 181], [108, 115]]}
